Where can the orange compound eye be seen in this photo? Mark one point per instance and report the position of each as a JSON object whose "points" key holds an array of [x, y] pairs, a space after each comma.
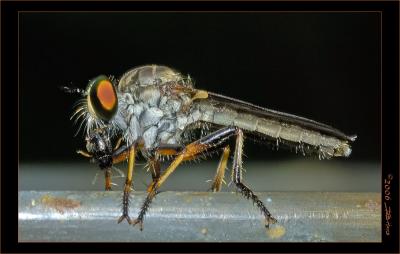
{"points": [[102, 98], [106, 94]]}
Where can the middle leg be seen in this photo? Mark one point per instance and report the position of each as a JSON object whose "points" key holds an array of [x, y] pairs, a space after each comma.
{"points": [[191, 151], [219, 175], [155, 168]]}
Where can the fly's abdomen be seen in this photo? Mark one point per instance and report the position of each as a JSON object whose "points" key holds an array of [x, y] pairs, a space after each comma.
{"points": [[276, 131]]}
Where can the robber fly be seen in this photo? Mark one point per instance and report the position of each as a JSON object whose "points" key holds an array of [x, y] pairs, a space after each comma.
{"points": [[155, 110]]}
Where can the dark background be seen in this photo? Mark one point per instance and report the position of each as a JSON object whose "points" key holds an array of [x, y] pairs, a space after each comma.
{"points": [[323, 66]]}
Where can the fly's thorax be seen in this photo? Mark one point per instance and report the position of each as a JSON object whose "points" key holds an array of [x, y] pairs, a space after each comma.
{"points": [[154, 116], [148, 75]]}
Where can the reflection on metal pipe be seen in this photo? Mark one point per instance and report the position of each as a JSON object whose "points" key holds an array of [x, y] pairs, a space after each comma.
{"points": [[200, 216]]}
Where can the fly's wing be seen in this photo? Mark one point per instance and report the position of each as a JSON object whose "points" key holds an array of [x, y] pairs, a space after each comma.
{"points": [[244, 107]]}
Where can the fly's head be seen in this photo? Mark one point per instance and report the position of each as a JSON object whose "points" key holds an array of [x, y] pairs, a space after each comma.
{"points": [[98, 106], [96, 112]]}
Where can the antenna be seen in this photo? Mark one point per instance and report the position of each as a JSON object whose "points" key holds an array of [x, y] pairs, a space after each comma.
{"points": [[72, 90]]}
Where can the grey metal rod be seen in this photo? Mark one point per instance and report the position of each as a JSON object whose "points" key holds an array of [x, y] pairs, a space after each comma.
{"points": [[200, 216]]}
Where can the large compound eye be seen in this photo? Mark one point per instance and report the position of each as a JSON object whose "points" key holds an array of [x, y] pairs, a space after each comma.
{"points": [[102, 98]]}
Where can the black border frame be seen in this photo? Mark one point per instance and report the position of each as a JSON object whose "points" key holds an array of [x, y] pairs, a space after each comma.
{"points": [[9, 118]]}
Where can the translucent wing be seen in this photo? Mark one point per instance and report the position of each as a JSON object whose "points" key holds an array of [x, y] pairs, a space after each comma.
{"points": [[244, 107]]}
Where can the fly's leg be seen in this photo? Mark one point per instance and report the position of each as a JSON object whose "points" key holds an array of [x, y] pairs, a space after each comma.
{"points": [[84, 154], [152, 190], [119, 154], [118, 144], [107, 172], [237, 179], [107, 176], [127, 187], [219, 175], [155, 168], [191, 151], [154, 162]]}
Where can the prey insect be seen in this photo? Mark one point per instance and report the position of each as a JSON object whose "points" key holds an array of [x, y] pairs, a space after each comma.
{"points": [[156, 111]]}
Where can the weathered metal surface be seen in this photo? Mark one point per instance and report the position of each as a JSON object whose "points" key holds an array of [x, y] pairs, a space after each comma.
{"points": [[200, 216]]}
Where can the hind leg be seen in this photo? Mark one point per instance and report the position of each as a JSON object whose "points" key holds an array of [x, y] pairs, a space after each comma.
{"points": [[237, 179]]}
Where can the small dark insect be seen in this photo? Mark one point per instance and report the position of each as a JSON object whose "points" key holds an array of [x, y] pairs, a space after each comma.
{"points": [[156, 110]]}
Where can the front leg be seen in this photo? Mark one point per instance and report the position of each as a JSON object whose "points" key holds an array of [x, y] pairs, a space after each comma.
{"points": [[119, 154], [127, 187], [107, 171], [107, 177]]}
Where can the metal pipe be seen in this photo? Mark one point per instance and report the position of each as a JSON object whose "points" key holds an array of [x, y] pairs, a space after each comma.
{"points": [[65, 216]]}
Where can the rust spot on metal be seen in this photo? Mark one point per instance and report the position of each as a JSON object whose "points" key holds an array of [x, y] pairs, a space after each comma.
{"points": [[59, 203], [372, 204], [276, 232]]}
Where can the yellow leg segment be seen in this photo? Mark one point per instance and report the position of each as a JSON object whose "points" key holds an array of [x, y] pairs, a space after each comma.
{"points": [[166, 173], [131, 168], [118, 144], [190, 151], [128, 184], [219, 175], [107, 177]]}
